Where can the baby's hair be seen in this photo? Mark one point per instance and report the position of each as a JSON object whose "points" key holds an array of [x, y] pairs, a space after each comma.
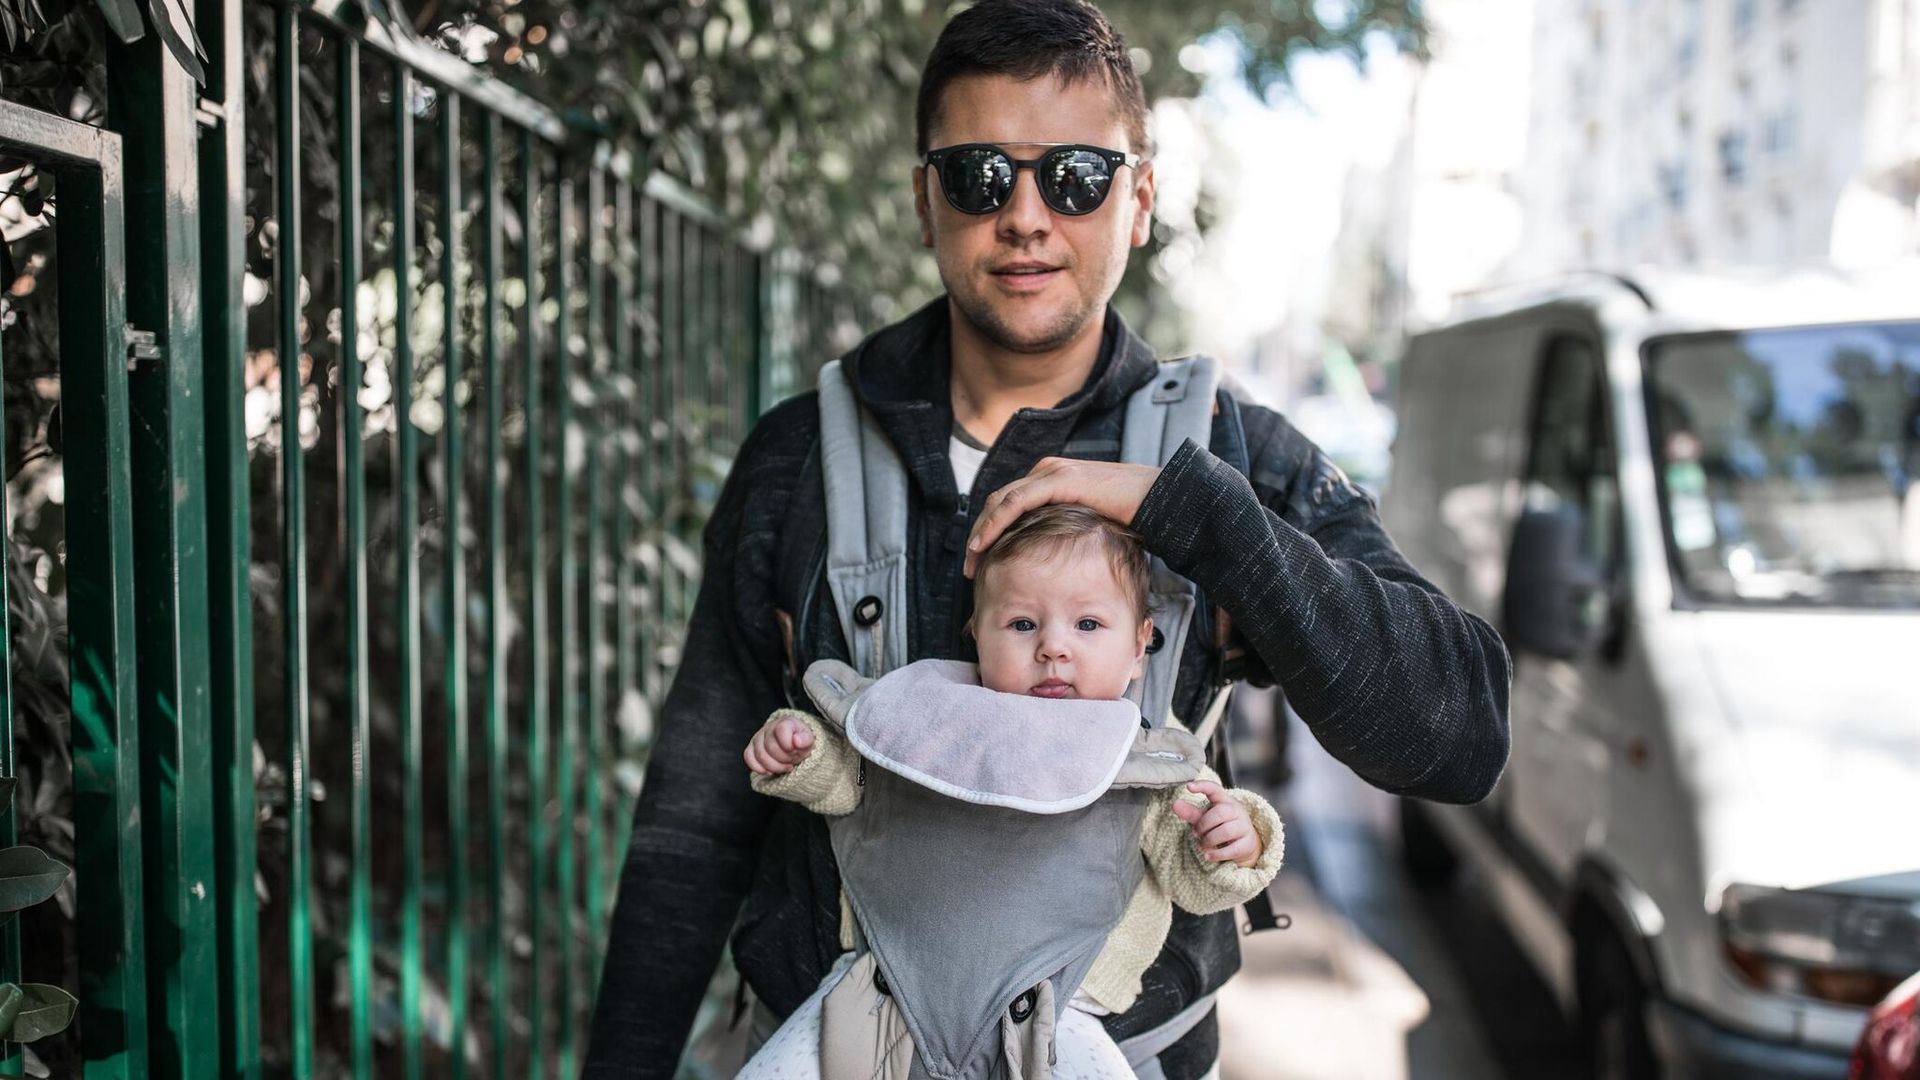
{"points": [[1048, 530]]}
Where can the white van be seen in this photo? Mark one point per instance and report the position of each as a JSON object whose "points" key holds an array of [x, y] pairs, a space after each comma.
{"points": [[1692, 505]]}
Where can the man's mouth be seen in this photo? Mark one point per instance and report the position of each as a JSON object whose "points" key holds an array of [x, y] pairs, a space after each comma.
{"points": [[1052, 688], [1023, 276]]}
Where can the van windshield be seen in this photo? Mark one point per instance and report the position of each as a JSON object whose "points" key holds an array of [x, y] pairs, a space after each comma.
{"points": [[1789, 463]]}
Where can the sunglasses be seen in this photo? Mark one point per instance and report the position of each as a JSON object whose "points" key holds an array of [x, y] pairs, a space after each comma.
{"points": [[1073, 178]]}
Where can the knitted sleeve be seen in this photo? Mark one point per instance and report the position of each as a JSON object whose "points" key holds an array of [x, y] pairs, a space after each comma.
{"points": [[1394, 679], [827, 781], [1189, 879]]}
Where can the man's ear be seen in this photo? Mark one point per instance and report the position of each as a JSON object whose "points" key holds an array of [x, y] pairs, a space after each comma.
{"points": [[920, 208], [1143, 186]]}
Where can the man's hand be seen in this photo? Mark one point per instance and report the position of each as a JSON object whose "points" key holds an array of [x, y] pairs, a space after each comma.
{"points": [[1223, 829], [780, 744], [1113, 488]]}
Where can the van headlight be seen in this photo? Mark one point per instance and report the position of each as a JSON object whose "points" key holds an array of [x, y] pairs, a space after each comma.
{"points": [[1851, 950]]}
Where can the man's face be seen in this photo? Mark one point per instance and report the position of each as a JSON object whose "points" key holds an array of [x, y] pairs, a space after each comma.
{"points": [[1058, 627], [988, 261]]}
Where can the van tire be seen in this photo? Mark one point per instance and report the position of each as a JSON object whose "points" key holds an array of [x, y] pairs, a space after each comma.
{"points": [[1429, 859], [1613, 1011]]}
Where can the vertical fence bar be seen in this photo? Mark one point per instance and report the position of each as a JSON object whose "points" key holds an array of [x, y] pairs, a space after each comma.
{"points": [[494, 588], [760, 387], [105, 735], [406, 490], [293, 539], [666, 464], [715, 359], [12, 1061], [626, 503], [353, 518], [151, 102], [690, 396], [650, 381], [536, 697], [229, 541], [453, 593], [595, 440], [570, 446]]}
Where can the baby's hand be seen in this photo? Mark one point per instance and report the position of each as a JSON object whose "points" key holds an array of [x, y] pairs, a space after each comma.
{"points": [[780, 744], [1223, 830]]}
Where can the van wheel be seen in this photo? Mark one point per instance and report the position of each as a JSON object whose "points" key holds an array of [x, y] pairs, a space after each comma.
{"points": [[1430, 862], [1613, 1013]]}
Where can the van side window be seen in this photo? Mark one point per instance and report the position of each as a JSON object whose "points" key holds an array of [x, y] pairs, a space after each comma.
{"points": [[1570, 464]]}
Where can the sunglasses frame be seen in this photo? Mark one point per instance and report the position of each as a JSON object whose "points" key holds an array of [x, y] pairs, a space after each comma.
{"points": [[938, 159]]}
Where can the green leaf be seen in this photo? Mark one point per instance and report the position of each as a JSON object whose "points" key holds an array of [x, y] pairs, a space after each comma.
{"points": [[12, 1000], [123, 18], [41, 1011], [28, 876]]}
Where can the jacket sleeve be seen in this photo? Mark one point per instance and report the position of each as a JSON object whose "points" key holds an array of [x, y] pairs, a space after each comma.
{"points": [[827, 781], [697, 824], [1189, 880], [1394, 679]]}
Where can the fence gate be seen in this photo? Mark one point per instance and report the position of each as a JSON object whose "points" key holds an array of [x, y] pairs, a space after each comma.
{"points": [[387, 438], [85, 163]]}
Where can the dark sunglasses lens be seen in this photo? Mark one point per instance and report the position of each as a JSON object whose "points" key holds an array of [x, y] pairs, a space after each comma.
{"points": [[1075, 181], [977, 180]]}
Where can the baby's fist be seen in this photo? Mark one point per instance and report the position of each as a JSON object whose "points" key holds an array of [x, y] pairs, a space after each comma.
{"points": [[781, 743], [1222, 829]]}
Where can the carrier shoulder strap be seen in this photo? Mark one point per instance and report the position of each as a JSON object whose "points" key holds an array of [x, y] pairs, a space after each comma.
{"points": [[1176, 406], [866, 496], [866, 490]]}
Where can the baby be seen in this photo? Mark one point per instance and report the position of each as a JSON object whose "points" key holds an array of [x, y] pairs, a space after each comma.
{"points": [[1060, 614]]}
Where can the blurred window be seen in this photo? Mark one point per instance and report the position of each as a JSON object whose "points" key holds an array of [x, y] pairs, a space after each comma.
{"points": [[1673, 183], [1789, 463], [1571, 464], [1733, 157], [1779, 133], [1742, 18]]}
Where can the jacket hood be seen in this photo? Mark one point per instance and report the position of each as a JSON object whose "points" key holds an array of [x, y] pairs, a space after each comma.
{"points": [[902, 373]]}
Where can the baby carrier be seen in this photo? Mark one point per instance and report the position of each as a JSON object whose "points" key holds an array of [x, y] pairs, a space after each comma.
{"points": [[1015, 989], [980, 921]]}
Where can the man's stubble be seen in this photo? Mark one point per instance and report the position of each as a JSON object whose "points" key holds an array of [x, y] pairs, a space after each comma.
{"points": [[987, 320]]}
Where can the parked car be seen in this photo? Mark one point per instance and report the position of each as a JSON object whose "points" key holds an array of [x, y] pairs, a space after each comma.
{"points": [[1889, 1048], [1692, 504]]}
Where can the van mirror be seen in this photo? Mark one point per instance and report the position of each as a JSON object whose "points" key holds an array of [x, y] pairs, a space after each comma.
{"points": [[1555, 602]]}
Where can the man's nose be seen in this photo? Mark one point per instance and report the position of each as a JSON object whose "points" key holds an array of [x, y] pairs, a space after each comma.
{"points": [[1026, 213]]}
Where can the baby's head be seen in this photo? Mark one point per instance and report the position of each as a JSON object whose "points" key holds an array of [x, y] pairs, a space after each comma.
{"points": [[1060, 606]]}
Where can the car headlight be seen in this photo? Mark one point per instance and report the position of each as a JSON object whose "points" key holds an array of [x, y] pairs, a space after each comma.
{"points": [[1846, 949]]}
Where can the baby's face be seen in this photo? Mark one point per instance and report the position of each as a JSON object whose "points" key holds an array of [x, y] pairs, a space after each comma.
{"points": [[1058, 627]]}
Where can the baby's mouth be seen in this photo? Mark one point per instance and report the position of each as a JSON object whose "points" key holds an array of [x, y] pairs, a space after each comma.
{"points": [[1052, 688]]}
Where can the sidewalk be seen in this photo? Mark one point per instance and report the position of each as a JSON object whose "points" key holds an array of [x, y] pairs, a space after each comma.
{"points": [[1359, 986]]}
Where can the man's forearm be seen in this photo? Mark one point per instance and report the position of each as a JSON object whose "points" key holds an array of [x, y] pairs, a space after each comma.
{"points": [[680, 893], [1394, 678]]}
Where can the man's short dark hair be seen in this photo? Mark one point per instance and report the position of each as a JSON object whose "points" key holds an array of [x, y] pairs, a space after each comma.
{"points": [[1027, 39]]}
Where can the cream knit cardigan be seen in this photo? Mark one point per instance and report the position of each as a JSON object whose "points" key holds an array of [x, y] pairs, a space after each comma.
{"points": [[827, 782]]}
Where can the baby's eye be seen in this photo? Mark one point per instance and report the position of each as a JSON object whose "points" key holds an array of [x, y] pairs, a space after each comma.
{"points": [[1022, 625], [1089, 625]]}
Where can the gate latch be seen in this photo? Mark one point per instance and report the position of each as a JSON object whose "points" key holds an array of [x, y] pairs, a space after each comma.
{"points": [[144, 353]]}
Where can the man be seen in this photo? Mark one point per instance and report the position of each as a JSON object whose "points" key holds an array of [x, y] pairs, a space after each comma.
{"points": [[1022, 356]]}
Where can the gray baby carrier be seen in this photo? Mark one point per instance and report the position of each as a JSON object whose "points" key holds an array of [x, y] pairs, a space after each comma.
{"points": [[995, 846], [980, 990]]}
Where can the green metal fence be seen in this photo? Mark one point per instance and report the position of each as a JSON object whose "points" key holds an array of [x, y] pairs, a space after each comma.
{"points": [[380, 540]]}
